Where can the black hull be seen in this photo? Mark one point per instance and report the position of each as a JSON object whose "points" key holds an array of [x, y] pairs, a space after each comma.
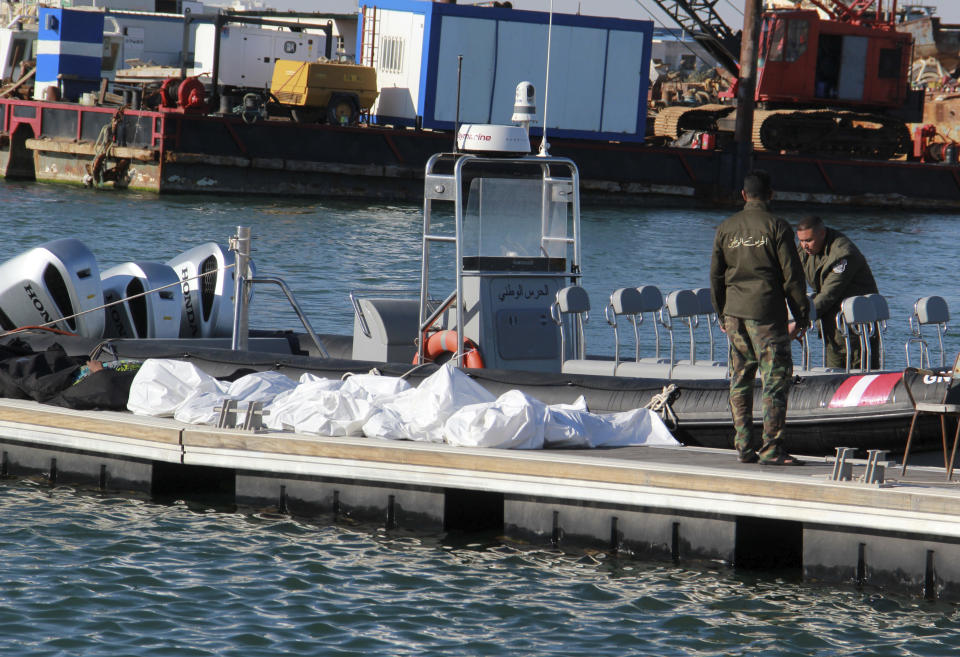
{"points": [[173, 152], [816, 424]]}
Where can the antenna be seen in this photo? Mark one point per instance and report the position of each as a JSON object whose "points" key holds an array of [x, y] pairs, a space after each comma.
{"points": [[544, 145], [456, 120]]}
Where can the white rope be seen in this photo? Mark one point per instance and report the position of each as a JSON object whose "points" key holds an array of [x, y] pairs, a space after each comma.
{"points": [[660, 404]]}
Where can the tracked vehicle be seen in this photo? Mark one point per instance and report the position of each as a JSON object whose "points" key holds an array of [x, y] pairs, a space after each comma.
{"points": [[834, 85]]}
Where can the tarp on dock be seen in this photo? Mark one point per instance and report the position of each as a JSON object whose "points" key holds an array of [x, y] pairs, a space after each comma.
{"points": [[447, 407]]}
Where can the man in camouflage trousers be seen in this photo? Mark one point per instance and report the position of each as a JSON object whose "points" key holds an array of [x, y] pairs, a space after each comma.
{"points": [[755, 273]]}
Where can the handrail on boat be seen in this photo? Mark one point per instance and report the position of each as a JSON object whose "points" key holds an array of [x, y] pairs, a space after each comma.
{"points": [[428, 322], [355, 296], [240, 245], [296, 308]]}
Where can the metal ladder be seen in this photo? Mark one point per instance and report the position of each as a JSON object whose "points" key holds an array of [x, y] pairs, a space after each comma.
{"points": [[368, 38]]}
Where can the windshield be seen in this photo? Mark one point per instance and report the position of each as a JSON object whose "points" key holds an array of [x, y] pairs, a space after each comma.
{"points": [[505, 217]]}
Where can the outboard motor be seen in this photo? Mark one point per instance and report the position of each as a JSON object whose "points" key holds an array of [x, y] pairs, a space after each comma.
{"points": [[207, 301], [153, 315], [57, 279]]}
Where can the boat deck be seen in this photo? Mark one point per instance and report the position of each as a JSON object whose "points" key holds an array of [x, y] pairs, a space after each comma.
{"points": [[682, 502]]}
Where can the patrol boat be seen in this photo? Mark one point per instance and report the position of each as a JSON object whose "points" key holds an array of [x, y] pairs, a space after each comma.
{"points": [[500, 296]]}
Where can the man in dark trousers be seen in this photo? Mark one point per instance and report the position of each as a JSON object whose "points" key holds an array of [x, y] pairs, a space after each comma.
{"points": [[835, 269], [755, 273]]}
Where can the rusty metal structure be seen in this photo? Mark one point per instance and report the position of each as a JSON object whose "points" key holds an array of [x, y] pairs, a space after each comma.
{"points": [[836, 85]]}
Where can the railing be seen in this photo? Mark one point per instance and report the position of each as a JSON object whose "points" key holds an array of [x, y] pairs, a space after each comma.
{"points": [[240, 245]]}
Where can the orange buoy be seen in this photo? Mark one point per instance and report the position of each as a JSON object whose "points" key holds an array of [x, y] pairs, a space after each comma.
{"points": [[443, 342]]}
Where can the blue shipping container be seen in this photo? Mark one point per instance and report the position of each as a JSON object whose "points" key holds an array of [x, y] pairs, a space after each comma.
{"points": [[599, 67]]}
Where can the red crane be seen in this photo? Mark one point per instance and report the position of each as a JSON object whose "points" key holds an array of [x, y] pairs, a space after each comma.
{"points": [[835, 85], [860, 12]]}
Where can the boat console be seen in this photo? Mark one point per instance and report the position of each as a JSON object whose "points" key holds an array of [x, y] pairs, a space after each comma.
{"points": [[508, 244]]}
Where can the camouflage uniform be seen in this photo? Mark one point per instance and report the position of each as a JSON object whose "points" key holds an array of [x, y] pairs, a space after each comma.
{"points": [[765, 346], [838, 272], [755, 273]]}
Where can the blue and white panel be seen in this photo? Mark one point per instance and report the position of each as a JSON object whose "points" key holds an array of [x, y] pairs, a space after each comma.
{"points": [[599, 68], [598, 71], [69, 51], [626, 77], [476, 38]]}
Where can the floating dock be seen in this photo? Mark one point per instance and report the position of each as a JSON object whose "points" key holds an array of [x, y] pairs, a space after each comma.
{"points": [[682, 504]]}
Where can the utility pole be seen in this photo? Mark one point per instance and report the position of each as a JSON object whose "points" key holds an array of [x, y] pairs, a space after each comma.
{"points": [[746, 91]]}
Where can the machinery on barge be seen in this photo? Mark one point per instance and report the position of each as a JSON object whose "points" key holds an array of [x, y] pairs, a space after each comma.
{"points": [[837, 84]]}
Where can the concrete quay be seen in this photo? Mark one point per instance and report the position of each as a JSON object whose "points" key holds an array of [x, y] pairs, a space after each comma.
{"points": [[682, 504]]}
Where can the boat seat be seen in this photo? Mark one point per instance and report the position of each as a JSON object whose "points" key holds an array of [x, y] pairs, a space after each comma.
{"points": [[644, 370], [699, 371], [927, 311], [806, 353], [710, 319], [681, 307], [857, 321], [595, 366], [883, 315], [571, 311], [672, 372], [948, 405], [632, 303], [384, 329]]}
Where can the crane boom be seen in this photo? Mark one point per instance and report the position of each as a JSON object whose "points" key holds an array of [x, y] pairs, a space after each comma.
{"points": [[859, 11], [700, 19]]}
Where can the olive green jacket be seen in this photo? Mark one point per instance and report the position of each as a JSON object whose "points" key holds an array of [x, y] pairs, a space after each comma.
{"points": [[838, 272], [755, 271]]}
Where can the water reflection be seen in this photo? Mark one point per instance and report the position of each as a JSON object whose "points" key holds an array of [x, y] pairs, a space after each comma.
{"points": [[97, 575]]}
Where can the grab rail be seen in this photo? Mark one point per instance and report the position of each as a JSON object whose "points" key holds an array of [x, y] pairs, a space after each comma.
{"points": [[240, 245], [442, 308], [355, 296], [296, 308]]}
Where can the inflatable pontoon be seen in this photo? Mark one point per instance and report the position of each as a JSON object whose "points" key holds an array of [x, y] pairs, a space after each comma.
{"points": [[514, 319]]}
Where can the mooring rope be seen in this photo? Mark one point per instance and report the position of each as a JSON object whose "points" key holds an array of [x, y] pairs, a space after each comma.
{"points": [[661, 405], [113, 303]]}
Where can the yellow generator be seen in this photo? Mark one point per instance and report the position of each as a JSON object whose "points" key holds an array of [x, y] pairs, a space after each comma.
{"points": [[317, 90]]}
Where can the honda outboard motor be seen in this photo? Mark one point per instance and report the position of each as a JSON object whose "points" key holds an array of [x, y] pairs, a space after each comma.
{"points": [[153, 315], [207, 301], [58, 279]]}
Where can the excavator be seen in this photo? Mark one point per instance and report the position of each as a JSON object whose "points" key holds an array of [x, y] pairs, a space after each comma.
{"points": [[829, 82]]}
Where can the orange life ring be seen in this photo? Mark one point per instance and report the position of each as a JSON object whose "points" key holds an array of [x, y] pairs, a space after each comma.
{"points": [[443, 342]]}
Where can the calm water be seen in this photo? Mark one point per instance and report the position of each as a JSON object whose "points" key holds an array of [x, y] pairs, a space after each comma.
{"points": [[89, 575], [325, 250], [93, 575]]}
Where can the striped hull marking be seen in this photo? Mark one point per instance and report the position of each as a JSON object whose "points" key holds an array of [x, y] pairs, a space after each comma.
{"points": [[865, 390]]}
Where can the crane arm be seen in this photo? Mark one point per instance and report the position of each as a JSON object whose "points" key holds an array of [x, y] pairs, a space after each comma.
{"points": [[699, 19], [857, 11]]}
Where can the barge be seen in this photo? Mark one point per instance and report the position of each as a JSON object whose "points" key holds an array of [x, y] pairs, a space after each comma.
{"points": [[176, 152], [189, 145]]}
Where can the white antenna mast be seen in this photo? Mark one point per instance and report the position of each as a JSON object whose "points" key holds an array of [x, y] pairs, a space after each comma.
{"points": [[544, 145]]}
